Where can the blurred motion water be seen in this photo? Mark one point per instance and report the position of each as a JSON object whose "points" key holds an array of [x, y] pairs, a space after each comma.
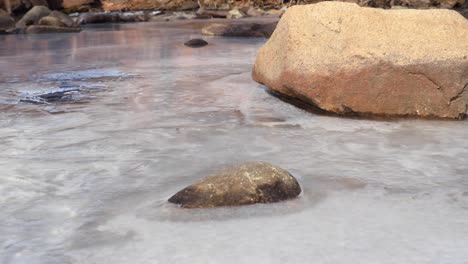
{"points": [[86, 180]]}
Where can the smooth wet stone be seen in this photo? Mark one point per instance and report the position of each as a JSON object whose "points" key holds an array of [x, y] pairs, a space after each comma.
{"points": [[51, 21], [196, 43], [248, 183]]}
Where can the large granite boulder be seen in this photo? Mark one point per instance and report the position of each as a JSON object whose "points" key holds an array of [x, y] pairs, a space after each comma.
{"points": [[249, 183], [350, 60]]}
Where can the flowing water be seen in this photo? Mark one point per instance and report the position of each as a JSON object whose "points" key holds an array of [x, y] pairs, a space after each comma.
{"points": [[98, 129]]}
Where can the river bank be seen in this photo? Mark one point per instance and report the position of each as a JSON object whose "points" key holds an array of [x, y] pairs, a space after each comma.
{"points": [[12, 14]]}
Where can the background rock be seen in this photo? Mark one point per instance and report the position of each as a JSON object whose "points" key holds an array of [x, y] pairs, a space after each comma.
{"points": [[6, 21], [51, 21], [65, 19], [73, 5], [248, 183], [148, 4], [33, 16], [235, 13], [239, 29], [362, 61]]}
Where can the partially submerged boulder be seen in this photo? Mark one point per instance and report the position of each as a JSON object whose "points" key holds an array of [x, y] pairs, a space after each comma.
{"points": [[350, 60], [240, 30], [249, 183]]}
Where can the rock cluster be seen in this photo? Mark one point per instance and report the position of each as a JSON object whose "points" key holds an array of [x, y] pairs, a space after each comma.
{"points": [[248, 183], [39, 19], [399, 63]]}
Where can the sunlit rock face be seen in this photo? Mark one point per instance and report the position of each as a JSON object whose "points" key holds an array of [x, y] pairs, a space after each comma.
{"points": [[248, 183], [351, 60]]}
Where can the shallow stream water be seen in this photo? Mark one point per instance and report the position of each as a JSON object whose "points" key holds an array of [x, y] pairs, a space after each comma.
{"points": [[86, 180]]}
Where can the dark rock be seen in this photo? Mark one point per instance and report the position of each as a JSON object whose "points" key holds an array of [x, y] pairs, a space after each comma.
{"points": [[111, 17], [248, 183], [196, 43], [98, 17], [63, 96], [464, 12], [65, 19], [30, 3], [55, 4], [51, 21], [240, 30], [33, 16], [35, 29], [6, 21]]}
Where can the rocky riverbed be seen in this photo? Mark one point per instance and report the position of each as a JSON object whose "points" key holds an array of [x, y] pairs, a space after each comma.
{"points": [[88, 182]]}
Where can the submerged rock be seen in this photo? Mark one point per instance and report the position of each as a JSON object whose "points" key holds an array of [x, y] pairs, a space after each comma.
{"points": [[240, 30], [35, 29], [248, 183], [350, 60], [196, 43]]}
